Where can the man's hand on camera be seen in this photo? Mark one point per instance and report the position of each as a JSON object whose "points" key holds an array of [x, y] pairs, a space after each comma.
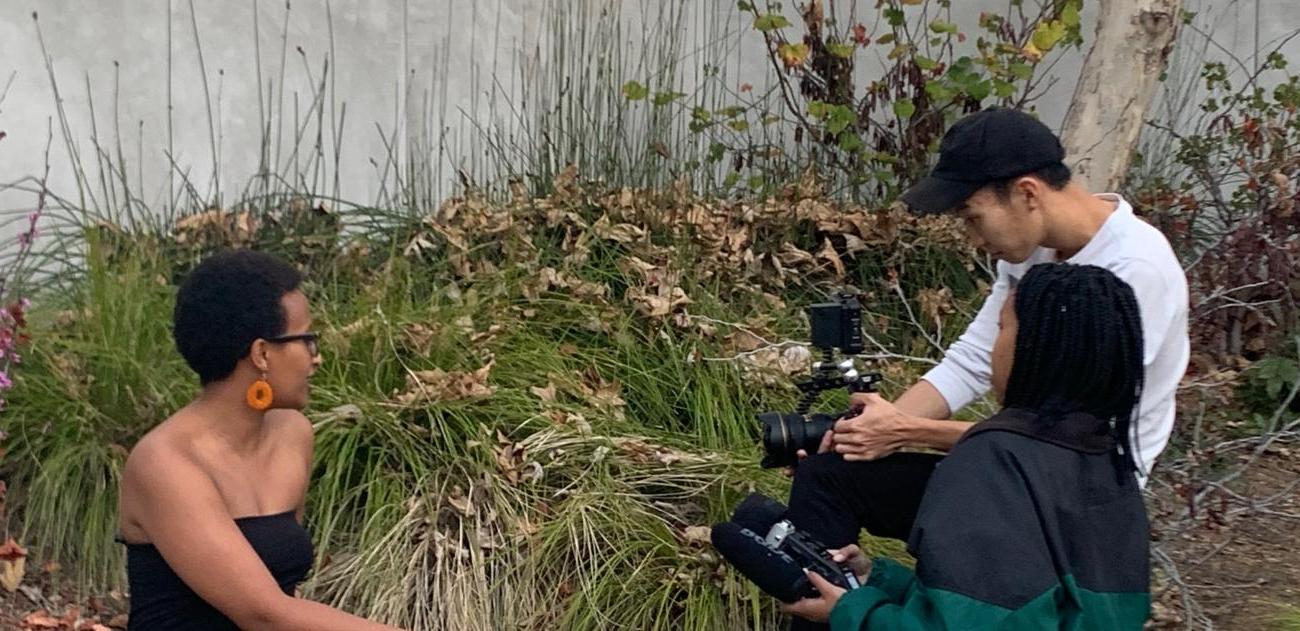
{"points": [[816, 609], [826, 447], [879, 430]]}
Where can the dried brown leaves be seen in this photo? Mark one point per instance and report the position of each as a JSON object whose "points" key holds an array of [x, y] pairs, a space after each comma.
{"points": [[439, 386], [742, 246]]}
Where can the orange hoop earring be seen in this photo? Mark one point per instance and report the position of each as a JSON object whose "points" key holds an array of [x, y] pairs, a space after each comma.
{"points": [[259, 395]]}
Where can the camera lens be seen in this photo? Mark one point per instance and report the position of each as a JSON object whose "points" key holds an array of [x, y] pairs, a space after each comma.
{"points": [[785, 434]]}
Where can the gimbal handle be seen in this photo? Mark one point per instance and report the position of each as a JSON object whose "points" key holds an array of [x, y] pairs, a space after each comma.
{"points": [[828, 375]]}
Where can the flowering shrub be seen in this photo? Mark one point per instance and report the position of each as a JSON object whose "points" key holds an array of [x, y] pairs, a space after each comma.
{"points": [[11, 324], [13, 308]]}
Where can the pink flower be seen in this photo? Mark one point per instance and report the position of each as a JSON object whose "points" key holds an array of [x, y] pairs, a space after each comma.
{"points": [[5, 383], [26, 238]]}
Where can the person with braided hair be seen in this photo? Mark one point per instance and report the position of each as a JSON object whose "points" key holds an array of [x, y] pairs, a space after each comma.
{"points": [[1003, 173], [1034, 520]]}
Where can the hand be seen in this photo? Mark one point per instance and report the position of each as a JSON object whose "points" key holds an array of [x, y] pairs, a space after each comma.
{"points": [[825, 447], [852, 556], [879, 430], [816, 609]]}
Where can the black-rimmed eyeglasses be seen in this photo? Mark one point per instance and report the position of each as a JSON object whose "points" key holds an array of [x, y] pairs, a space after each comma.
{"points": [[310, 339]]}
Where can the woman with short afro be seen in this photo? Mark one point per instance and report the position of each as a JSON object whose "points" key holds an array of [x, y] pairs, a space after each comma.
{"points": [[211, 503]]}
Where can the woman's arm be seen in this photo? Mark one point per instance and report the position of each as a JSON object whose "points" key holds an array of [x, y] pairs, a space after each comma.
{"points": [[186, 520]]}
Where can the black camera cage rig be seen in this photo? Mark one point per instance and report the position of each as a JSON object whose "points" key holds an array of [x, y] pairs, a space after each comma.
{"points": [[829, 374]]}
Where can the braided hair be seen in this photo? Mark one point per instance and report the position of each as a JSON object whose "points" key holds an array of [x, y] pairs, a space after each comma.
{"points": [[1078, 347]]}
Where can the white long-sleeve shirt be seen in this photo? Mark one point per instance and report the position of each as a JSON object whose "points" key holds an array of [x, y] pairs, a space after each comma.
{"points": [[1139, 255]]}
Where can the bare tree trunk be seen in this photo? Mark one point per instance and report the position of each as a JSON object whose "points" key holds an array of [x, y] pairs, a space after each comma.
{"points": [[1119, 77]]}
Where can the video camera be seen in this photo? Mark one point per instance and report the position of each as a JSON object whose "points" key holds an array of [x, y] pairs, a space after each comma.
{"points": [[772, 553], [835, 325], [758, 541]]}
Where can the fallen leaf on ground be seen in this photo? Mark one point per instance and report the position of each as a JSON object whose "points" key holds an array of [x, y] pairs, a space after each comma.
{"points": [[697, 535], [13, 564]]}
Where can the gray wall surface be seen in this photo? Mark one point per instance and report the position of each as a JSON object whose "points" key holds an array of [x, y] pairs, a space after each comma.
{"points": [[404, 68]]}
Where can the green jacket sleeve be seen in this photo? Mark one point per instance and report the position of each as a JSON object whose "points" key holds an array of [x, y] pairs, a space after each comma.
{"points": [[873, 608], [891, 577]]}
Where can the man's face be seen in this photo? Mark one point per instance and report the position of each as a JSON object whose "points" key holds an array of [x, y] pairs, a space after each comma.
{"points": [[1008, 229]]}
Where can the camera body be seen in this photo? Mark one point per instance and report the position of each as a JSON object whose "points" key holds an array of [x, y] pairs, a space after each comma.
{"points": [[835, 326], [772, 553], [809, 553]]}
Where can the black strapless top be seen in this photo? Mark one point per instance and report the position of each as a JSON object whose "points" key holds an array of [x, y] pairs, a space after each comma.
{"points": [[161, 601]]}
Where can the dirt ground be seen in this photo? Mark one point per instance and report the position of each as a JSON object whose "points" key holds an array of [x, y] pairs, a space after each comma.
{"points": [[39, 605], [1239, 565]]}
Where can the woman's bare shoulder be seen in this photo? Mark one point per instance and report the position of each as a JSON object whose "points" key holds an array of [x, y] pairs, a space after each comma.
{"points": [[164, 456], [291, 426], [167, 448]]}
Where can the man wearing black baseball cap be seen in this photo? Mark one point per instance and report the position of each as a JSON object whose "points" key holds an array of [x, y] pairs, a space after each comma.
{"points": [[1003, 173], [983, 148]]}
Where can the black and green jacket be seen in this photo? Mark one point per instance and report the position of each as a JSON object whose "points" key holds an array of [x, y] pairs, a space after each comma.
{"points": [[1026, 524]]}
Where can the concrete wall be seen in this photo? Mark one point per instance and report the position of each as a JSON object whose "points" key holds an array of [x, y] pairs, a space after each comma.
{"points": [[392, 56]]}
